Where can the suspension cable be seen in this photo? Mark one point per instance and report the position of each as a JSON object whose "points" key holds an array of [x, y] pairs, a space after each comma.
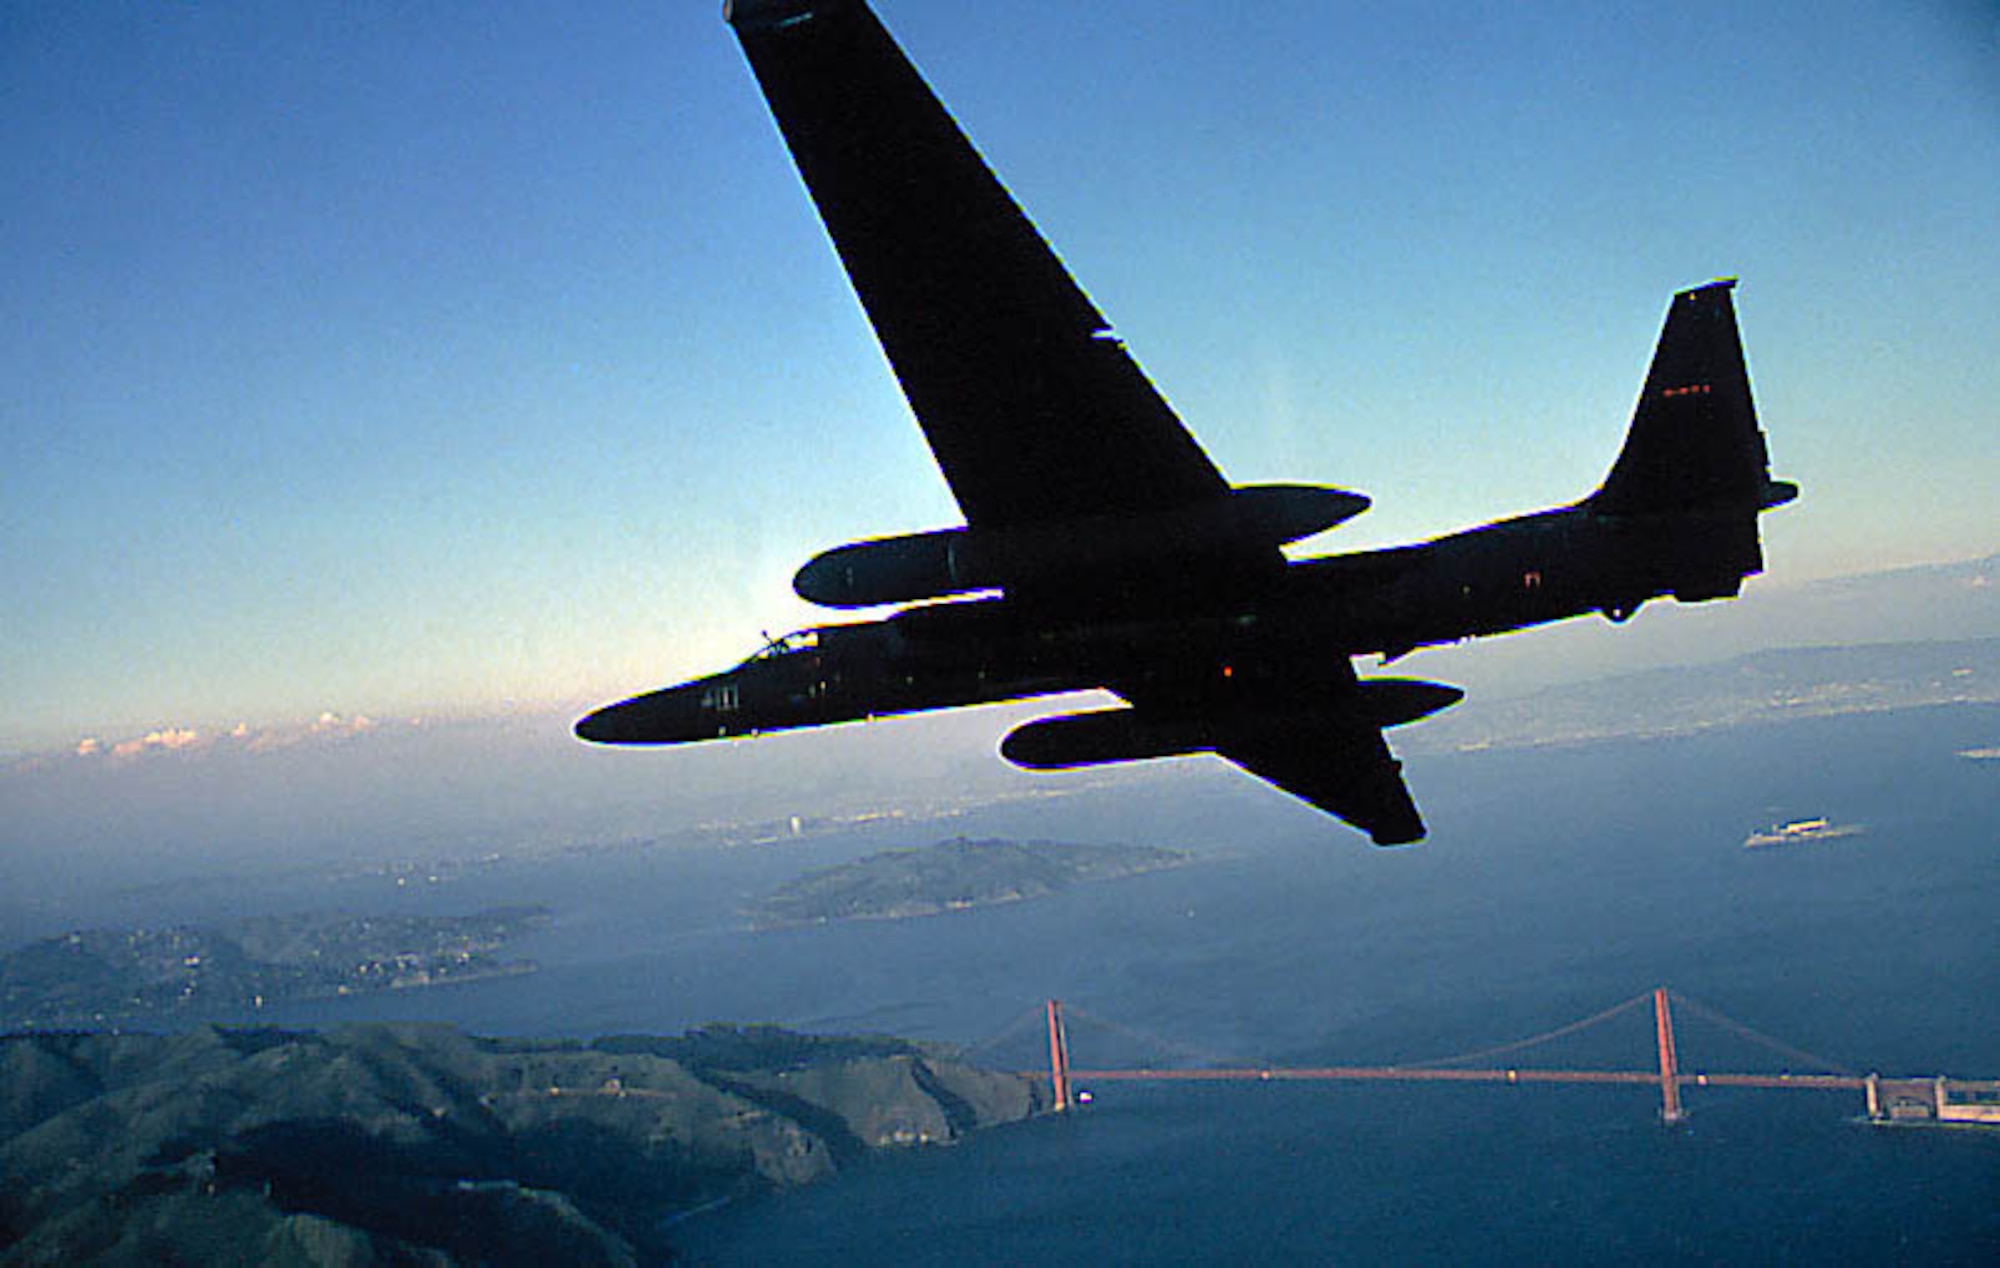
{"points": [[1531, 1040], [1812, 1060], [1032, 1016], [1186, 1051]]}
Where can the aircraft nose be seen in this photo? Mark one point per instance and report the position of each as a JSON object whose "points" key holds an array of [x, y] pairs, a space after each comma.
{"points": [[668, 716], [604, 726]]}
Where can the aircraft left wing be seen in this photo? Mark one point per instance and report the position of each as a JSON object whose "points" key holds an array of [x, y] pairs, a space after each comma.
{"points": [[1320, 740], [1032, 410], [1341, 765]]}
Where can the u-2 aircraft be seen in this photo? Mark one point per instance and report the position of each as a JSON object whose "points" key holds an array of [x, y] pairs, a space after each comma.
{"points": [[1103, 549]]}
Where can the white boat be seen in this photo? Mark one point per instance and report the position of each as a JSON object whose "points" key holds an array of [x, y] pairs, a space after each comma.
{"points": [[1799, 831]]}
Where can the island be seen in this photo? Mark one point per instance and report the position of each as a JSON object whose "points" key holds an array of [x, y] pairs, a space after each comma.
{"points": [[98, 977], [417, 1143], [952, 875]]}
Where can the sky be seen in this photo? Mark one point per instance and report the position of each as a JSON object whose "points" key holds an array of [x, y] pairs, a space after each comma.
{"points": [[385, 360]]}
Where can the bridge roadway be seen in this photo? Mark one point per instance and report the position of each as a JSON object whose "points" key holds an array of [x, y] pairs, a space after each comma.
{"points": [[1978, 1101], [1390, 1073]]}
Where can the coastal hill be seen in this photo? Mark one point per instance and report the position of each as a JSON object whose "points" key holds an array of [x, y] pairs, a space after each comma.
{"points": [[418, 1143], [952, 876], [91, 978], [1758, 689]]}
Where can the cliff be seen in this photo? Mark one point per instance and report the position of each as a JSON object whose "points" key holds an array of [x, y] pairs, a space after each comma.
{"points": [[417, 1143]]}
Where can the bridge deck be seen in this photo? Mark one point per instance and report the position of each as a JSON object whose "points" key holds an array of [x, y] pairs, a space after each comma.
{"points": [[1648, 1078]]}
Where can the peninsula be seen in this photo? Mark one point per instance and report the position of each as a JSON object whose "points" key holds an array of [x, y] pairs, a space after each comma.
{"points": [[952, 875], [420, 1144]]}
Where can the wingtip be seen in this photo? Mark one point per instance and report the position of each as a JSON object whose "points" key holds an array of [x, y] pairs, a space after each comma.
{"points": [[1390, 836], [767, 15]]}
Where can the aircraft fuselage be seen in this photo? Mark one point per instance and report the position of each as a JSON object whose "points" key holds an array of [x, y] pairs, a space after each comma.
{"points": [[1494, 579]]}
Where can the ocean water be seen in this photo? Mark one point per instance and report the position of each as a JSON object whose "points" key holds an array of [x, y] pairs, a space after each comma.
{"points": [[1879, 952], [1345, 1173], [1556, 883]]}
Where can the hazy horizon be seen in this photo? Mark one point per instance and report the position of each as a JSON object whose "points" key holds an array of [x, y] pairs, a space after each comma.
{"points": [[1772, 612], [316, 794]]}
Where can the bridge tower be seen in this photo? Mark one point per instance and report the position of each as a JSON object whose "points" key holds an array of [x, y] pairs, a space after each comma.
{"points": [[1670, 1066], [1058, 1056]]}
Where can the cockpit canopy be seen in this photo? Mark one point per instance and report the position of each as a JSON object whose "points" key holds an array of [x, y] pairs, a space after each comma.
{"points": [[788, 645]]}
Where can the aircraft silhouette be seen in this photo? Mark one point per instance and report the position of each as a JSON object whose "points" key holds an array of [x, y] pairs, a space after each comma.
{"points": [[1103, 549]]}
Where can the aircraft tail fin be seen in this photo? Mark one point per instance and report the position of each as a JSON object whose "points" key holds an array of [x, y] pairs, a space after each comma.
{"points": [[1694, 445], [1682, 500]]}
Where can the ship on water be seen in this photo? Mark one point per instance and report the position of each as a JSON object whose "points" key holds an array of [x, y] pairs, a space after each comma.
{"points": [[1800, 831]]}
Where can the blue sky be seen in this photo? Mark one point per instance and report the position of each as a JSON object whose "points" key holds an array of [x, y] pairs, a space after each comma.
{"points": [[395, 359]]}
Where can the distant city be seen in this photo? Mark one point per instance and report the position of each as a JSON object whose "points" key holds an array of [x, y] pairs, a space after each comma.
{"points": [[104, 977]]}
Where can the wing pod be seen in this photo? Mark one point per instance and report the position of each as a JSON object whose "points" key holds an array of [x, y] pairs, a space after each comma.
{"points": [[1103, 736], [1244, 522]]}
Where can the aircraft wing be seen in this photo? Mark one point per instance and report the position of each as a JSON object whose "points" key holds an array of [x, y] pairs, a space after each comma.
{"points": [[1341, 765], [1314, 736], [1033, 410]]}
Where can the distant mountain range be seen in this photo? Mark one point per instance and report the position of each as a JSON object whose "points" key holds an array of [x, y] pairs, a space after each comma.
{"points": [[1769, 686], [1926, 603], [420, 1144]]}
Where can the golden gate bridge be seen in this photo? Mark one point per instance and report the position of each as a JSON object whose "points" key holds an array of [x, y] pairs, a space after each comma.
{"points": [[1923, 1099]]}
